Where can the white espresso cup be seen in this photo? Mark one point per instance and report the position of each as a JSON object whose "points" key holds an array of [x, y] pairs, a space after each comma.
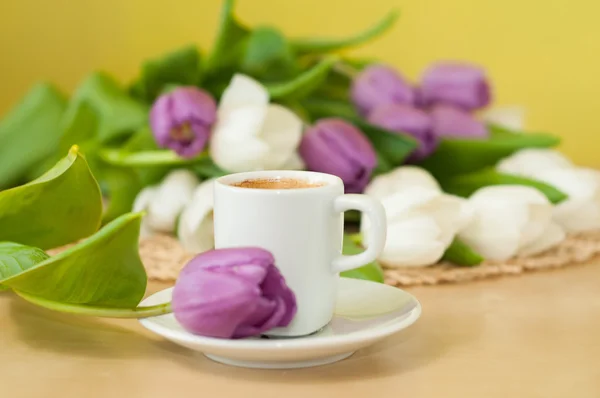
{"points": [[303, 229]]}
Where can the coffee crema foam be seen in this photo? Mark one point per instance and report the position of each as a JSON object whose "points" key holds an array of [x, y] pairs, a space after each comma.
{"points": [[277, 183]]}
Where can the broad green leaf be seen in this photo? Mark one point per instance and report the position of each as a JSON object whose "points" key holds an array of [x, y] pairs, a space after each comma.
{"points": [[103, 270], [16, 258], [460, 156], [461, 254], [268, 55], [29, 133], [180, 67], [326, 107], [60, 207], [319, 45], [229, 41], [465, 184], [123, 185], [117, 113], [303, 84], [370, 272], [164, 157]]}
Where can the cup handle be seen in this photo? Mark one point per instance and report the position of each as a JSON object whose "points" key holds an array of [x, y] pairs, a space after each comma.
{"points": [[374, 210]]}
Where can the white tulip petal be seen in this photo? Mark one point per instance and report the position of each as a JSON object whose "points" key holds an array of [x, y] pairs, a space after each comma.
{"points": [[196, 229], [413, 254], [174, 192], [552, 236], [242, 91], [143, 198], [282, 131], [399, 204], [511, 117], [578, 215], [401, 179], [241, 124], [449, 214], [294, 162], [531, 162]]}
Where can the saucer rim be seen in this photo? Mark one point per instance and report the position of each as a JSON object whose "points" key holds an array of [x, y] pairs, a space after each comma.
{"points": [[292, 342]]}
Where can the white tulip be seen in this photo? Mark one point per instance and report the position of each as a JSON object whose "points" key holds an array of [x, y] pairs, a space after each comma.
{"points": [[581, 210], [509, 220], [251, 134], [512, 117], [164, 202], [422, 222], [196, 229], [530, 162], [141, 203], [400, 179]]}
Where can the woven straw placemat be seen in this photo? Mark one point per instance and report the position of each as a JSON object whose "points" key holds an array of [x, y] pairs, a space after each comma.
{"points": [[164, 257]]}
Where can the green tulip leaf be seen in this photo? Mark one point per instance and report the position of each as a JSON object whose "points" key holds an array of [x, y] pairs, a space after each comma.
{"points": [[160, 157], [16, 258], [319, 107], [123, 185], [461, 156], [229, 42], [319, 45], [268, 55], [206, 168], [60, 207], [465, 184], [116, 113], [180, 67], [303, 84], [461, 254], [29, 133], [103, 270], [369, 272]]}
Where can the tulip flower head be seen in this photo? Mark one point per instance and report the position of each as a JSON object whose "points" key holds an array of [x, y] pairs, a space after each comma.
{"points": [[422, 220], [461, 85], [380, 85], [232, 293], [509, 220], [336, 147], [182, 120], [252, 134], [196, 229], [409, 120]]}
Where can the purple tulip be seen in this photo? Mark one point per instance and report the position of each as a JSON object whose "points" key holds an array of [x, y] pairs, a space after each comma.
{"points": [[449, 121], [457, 84], [182, 120], [410, 120], [232, 293], [378, 85], [336, 147]]}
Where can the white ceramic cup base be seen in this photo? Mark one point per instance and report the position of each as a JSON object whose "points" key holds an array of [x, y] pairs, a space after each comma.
{"points": [[280, 364]]}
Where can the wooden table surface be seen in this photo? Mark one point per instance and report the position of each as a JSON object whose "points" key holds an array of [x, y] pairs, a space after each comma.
{"points": [[531, 336]]}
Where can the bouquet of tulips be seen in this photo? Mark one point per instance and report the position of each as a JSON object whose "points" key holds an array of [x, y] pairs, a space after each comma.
{"points": [[457, 181]]}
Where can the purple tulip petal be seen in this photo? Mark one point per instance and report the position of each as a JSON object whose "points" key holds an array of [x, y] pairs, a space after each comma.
{"points": [[213, 304], [409, 120], [182, 120], [274, 286], [461, 85], [449, 121], [378, 85], [336, 147]]}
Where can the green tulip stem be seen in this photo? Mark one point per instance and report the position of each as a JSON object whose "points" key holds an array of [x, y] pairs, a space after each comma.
{"points": [[103, 312], [345, 69]]}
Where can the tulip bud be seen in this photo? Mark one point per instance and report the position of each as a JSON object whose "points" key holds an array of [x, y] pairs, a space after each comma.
{"points": [[530, 162], [449, 121], [182, 120], [457, 84], [336, 147], [410, 120], [232, 293], [379, 85], [196, 228]]}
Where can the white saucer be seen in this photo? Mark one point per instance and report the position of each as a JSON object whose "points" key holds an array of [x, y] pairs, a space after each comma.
{"points": [[366, 312]]}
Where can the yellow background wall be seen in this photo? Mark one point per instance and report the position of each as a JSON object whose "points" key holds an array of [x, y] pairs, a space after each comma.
{"points": [[543, 54]]}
